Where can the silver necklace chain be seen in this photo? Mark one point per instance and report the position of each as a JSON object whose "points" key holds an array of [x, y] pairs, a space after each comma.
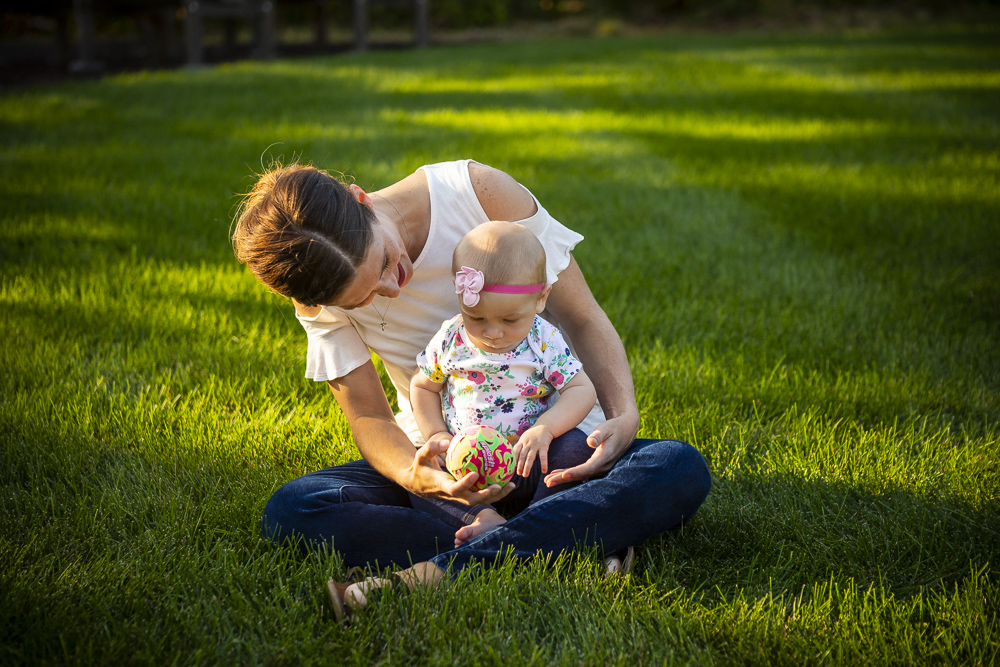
{"points": [[382, 321]]}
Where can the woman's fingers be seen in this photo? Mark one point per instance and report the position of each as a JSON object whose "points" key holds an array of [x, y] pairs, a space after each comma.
{"points": [[495, 492], [487, 496], [599, 462], [610, 440], [461, 490], [428, 452], [554, 478], [462, 484], [605, 441]]}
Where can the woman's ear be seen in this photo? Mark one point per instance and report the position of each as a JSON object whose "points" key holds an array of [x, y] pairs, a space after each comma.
{"points": [[361, 196], [542, 298]]}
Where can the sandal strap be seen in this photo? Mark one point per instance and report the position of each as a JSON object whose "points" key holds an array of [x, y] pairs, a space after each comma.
{"points": [[337, 589]]}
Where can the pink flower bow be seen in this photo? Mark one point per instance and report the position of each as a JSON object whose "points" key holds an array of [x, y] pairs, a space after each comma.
{"points": [[468, 283]]}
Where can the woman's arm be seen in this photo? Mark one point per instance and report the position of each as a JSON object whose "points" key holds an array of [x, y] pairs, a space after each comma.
{"points": [[384, 445], [599, 347]]}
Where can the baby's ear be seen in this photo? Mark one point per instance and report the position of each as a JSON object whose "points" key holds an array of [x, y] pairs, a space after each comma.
{"points": [[542, 298]]}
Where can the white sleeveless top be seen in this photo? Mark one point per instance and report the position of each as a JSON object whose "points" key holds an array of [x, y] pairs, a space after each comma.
{"points": [[343, 340]]}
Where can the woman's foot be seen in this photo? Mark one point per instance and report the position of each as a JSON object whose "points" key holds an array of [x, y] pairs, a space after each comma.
{"points": [[486, 520], [421, 574], [620, 563]]}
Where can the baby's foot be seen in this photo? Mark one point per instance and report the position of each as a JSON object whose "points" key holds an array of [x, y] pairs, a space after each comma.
{"points": [[486, 520]]}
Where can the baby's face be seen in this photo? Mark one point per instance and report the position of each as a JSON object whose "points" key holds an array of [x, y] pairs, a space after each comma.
{"points": [[500, 321]]}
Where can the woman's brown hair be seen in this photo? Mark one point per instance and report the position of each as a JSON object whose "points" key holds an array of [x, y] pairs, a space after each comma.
{"points": [[302, 233]]}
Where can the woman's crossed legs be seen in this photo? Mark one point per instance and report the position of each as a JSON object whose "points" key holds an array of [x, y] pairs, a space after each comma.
{"points": [[656, 486]]}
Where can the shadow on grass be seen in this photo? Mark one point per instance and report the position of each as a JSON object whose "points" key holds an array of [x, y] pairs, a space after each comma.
{"points": [[761, 534]]}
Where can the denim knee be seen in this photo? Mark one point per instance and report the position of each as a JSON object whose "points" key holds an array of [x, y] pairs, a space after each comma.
{"points": [[280, 511], [689, 465]]}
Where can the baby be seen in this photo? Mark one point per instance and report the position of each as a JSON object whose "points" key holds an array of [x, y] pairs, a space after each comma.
{"points": [[498, 364]]}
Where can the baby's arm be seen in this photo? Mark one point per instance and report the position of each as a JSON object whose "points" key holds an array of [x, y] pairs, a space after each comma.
{"points": [[576, 399], [425, 401]]}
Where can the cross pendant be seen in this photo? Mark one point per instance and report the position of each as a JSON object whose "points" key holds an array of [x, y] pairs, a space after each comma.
{"points": [[382, 324]]}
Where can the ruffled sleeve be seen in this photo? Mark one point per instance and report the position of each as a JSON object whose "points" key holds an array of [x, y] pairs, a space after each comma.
{"points": [[335, 346], [557, 239]]}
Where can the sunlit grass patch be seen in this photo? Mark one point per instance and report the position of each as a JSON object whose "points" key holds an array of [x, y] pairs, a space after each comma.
{"points": [[717, 126]]}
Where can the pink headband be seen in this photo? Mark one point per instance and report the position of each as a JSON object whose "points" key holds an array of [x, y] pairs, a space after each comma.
{"points": [[469, 283]]}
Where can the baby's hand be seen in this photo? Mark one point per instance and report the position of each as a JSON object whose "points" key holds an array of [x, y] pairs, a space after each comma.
{"points": [[444, 438], [533, 442]]}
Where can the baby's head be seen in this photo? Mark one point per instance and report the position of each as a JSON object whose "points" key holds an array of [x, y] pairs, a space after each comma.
{"points": [[499, 271]]}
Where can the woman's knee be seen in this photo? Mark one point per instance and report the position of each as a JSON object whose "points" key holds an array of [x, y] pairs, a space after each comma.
{"points": [[693, 469], [282, 510], [274, 514], [683, 473]]}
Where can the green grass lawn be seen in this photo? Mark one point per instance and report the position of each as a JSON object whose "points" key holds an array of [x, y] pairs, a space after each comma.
{"points": [[797, 235]]}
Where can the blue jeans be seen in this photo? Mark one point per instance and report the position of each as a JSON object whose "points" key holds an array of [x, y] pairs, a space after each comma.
{"points": [[657, 485]]}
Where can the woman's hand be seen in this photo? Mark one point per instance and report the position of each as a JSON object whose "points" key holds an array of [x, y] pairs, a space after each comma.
{"points": [[439, 437], [609, 440], [428, 478]]}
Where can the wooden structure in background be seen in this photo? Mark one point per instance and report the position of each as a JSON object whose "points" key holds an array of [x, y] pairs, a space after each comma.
{"points": [[155, 21], [260, 15], [83, 12], [421, 21]]}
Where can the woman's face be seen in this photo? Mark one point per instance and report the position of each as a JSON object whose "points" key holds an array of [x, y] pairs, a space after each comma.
{"points": [[385, 270]]}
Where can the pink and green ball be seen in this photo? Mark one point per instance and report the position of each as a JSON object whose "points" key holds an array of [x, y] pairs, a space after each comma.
{"points": [[484, 451]]}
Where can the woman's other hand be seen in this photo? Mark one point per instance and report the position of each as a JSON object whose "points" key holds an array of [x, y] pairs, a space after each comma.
{"points": [[609, 441], [600, 349]]}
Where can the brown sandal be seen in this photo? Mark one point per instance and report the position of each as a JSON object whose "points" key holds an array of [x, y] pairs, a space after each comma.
{"points": [[337, 590]]}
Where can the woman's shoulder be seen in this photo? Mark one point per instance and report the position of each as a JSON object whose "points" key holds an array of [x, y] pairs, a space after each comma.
{"points": [[501, 197]]}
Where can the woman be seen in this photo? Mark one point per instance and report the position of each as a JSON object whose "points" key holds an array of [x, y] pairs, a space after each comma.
{"points": [[372, 273]]}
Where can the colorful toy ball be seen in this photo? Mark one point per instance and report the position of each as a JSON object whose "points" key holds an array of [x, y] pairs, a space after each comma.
{"points": [[481, 449]]}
